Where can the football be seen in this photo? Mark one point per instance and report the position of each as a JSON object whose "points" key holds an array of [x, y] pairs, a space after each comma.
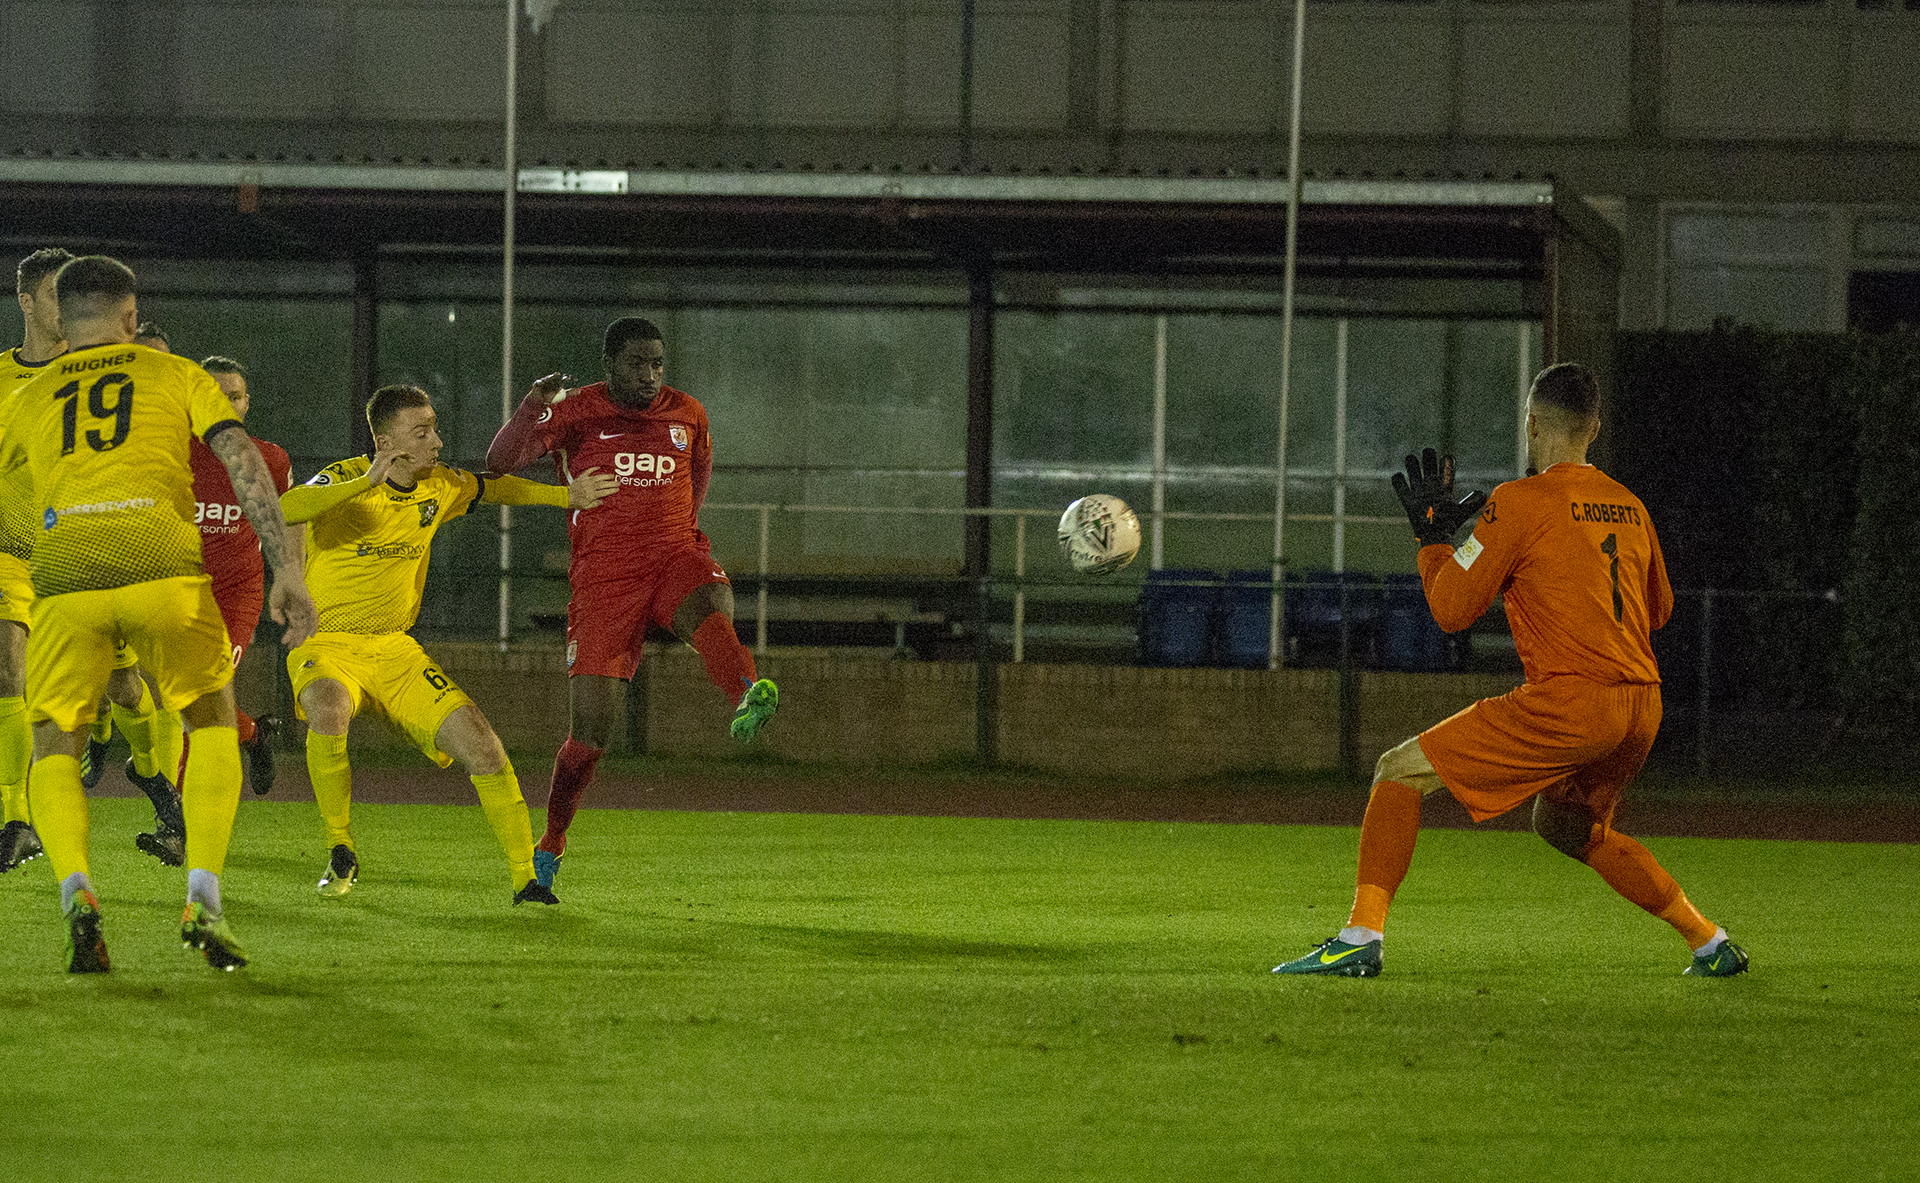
{"points": [[1099, 534]]}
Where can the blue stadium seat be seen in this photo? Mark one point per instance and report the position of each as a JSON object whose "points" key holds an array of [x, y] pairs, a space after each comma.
{"points": [[1246, 609], [1178, 609], [1409, 637], [1313, 601]]}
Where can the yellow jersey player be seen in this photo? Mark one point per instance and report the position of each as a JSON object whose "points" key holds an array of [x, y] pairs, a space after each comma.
{"points": [[43, 343], [370, 522], [116, 558], [126, 692]]}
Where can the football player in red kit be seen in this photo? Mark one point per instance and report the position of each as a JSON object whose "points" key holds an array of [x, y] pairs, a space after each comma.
{"points": [[639, 558], [230, 552]]}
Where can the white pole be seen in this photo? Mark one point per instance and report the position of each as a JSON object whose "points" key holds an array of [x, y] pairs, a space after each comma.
{"points": [[760, 598], [511, 172], [1159, 437], [1340, 446], [1020, 587], [1276, 627], [1525, 368]]}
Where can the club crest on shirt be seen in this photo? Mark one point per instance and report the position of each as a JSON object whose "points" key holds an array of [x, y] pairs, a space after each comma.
{"points": [[429, 510], [573, 648], [680, 436]]}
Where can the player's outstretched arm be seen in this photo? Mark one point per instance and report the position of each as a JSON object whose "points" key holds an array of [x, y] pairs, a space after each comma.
{"points": [[588, 489], [1433, 507], [517, 443], [253, 485], [303, 503]]}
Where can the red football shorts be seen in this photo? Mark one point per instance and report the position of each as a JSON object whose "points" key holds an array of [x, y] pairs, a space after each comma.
{"points": [[607, 617], [240, 602], [1574, 741]]}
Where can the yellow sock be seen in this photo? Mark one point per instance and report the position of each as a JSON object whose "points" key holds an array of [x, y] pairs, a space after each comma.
{"points": [[332, 778], [102, 729], [137, 724], [60, 813], [169, 742], [506, 812], [211, 796], [16, 754]]}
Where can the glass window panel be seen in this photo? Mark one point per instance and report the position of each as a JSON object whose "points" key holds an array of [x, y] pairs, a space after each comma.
{"points": [[1396, 382], [1486, 383], [299, 359], [1073, 389]]}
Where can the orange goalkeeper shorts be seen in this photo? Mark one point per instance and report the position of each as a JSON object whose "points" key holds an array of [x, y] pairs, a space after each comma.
{"points": [[1575, 741]]}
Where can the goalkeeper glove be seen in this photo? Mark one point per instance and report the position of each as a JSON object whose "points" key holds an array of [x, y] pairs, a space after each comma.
{"points": [[1426, 492]]}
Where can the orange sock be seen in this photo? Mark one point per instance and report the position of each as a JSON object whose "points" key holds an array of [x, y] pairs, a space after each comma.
{"points": [[1387, 835], [1630, 869]]}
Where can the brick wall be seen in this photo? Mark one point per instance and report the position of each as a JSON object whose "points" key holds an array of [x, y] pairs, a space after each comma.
{"points": [[844, 709]]}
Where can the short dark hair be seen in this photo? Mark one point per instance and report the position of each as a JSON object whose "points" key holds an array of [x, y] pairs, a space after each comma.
{"points": [[35, 268], [93, 278], [216, 364], [628, 328], [148, 328], [387, 401], [1569, 386]]}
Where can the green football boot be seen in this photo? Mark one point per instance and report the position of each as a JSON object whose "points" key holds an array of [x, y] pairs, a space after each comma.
{"points": [[1724, 962], [202, 930], [1335, 957], [757, 705], [86, 949]]}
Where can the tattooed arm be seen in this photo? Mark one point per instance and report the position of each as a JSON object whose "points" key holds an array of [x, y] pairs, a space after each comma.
{"points": [[260, 501]]}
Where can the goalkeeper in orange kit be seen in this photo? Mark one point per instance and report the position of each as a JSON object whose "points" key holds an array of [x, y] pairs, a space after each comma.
{"points": [[1575, 555]]}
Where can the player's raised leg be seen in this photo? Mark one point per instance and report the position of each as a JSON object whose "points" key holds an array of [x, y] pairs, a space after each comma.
{"points": [[328, 707], [469, 738], [1387, 835], [704, 619]]}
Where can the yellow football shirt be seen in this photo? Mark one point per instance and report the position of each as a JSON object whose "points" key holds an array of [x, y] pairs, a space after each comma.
{"points": [[367, 557], [17, 519], [106, 431]]}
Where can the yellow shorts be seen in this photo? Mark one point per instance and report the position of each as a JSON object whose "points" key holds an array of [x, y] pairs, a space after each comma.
{"points": [[124, 658], [16, 590], [392, 672], [171, 626]]}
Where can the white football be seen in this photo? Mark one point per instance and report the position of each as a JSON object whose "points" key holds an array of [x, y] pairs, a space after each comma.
{"points": [[1099, 534]]}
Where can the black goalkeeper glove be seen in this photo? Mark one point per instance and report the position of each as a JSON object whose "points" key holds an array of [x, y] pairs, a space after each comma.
{"points": [[1426, 491]]}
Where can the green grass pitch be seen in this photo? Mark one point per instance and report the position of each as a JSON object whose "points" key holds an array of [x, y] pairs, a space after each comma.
{"points": [[758, 996]]}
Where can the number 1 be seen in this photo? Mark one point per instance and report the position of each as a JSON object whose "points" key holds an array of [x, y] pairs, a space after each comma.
{"points": [[1611, 548]]}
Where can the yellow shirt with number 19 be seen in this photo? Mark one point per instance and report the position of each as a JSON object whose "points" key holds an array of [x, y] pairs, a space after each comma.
{"points": [[106, 431]]}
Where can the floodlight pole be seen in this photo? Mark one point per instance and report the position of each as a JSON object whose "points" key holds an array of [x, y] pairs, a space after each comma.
{"points": [[1276, 611], [511, 174]]}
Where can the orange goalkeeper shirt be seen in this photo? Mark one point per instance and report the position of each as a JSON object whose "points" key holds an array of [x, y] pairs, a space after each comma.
{"points": [[1575, 555]]}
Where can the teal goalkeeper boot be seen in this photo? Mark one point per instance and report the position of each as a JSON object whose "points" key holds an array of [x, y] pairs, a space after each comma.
{"points": [[1337, 958], [1724, 962]]}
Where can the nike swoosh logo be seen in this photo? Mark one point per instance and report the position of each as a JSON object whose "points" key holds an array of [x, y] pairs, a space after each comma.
{"points": [[616, 435], [1330, 958]]}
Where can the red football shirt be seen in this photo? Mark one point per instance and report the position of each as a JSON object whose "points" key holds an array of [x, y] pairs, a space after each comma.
{"points": [[663, 457], [229, 549]]}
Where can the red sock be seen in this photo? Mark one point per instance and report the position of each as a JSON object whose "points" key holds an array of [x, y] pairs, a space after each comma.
{"points": [[180, 773], [244, 722], [1387, 835], [572, 772], [729, 663]]}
